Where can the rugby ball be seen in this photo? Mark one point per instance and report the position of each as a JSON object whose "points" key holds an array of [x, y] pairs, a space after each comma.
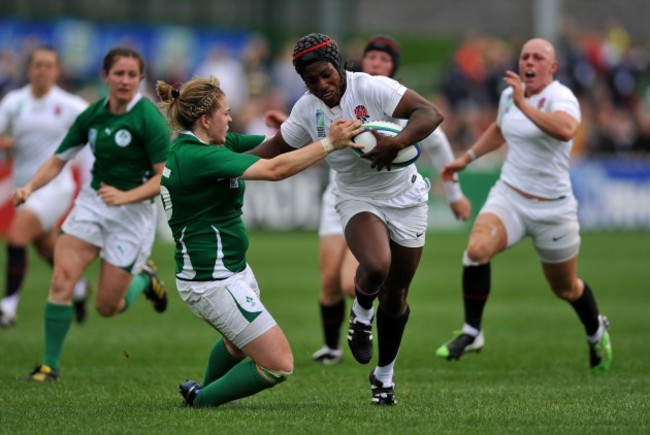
{"points": [[404, 157]]}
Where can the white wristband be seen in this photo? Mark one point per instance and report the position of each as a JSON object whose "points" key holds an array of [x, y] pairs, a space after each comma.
{"points": [[327, 145], [472, 155]]}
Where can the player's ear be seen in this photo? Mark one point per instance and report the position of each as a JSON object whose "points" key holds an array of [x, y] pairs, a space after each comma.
{"points": [[205, 121]]}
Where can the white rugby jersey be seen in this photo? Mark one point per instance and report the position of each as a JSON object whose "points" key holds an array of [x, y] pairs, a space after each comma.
{"points": [[37, 126], [366, 98], [537, 163]]}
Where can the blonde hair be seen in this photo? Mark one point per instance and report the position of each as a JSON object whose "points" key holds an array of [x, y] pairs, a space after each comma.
{"points": [[184, 106]]}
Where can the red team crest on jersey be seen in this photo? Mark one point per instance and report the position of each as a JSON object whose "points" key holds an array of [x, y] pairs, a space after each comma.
{"points": [[57, 110], [361, 113], [541, 103]]}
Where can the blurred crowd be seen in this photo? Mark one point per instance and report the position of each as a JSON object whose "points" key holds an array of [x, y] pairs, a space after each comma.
{"points": [[608, 70]]}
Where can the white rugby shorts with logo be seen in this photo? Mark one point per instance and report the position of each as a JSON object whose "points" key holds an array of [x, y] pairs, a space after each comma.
{"points": [[232, 306], [50, 202], [553, 225], [124, 233], [405, 214]]}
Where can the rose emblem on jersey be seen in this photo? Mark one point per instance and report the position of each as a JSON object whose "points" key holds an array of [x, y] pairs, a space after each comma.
{"points": [[361, 113], [123, 138], [541, 103]]}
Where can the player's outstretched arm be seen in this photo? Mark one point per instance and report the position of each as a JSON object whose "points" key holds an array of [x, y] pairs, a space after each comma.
{"points": [[46, 173], [285, 165]]}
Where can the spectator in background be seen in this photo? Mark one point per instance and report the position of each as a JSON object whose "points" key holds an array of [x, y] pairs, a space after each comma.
{"points": [[538, 118], [33, 120], [113, 217], [221, 63]]}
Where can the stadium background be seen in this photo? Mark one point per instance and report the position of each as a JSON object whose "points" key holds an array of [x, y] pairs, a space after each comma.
{"points": [[250, 38], [120, 376]]}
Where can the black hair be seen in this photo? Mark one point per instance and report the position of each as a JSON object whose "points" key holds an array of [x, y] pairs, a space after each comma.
{"points": [[317, 47]]}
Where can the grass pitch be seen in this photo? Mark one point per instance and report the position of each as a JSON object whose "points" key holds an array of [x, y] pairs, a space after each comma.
{"points": [[121, 375]]}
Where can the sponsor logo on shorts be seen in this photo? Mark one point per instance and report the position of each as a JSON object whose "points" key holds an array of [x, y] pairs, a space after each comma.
{"points": [[556, 238]]}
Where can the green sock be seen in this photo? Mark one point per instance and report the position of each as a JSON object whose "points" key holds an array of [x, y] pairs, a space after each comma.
{"points": [[139, 283], [57, 323], [219, 363], [243, 380]]}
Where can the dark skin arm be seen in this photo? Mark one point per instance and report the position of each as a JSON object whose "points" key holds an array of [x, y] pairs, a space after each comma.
{"points": [[272, 147], [423, 117]]}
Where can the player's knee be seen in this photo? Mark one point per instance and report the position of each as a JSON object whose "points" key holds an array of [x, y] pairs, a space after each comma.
{"points": [[61, 286], [17, 239], [566, 291], [107, 309], [476, 253], [374, 272], [275, 377]]}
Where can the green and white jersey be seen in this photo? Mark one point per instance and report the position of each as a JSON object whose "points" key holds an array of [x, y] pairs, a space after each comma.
{"points": [[125, 146], [203, 197]]}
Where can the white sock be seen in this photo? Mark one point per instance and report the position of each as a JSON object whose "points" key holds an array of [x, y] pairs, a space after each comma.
{"points": [[470, 330], [9, 305], [385, 374], [593, 339], [362, 314], [80, 291]]}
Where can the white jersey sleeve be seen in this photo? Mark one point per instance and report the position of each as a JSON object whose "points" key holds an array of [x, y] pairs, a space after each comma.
{"points": [[438, 148]]}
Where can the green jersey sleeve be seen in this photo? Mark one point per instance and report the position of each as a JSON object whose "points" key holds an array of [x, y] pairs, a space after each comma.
{"points": [[240, 143], [156, 133], [76, 137]]}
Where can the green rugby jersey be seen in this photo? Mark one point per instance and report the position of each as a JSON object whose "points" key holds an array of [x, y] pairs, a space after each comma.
{"points": [[203, 196], [125, 146]]}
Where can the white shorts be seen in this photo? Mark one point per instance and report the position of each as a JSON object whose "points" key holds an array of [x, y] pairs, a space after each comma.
{"points": [[50, 202], [405, 215], [232, 306], [553, 225], [124, 233], [330, 221]]}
